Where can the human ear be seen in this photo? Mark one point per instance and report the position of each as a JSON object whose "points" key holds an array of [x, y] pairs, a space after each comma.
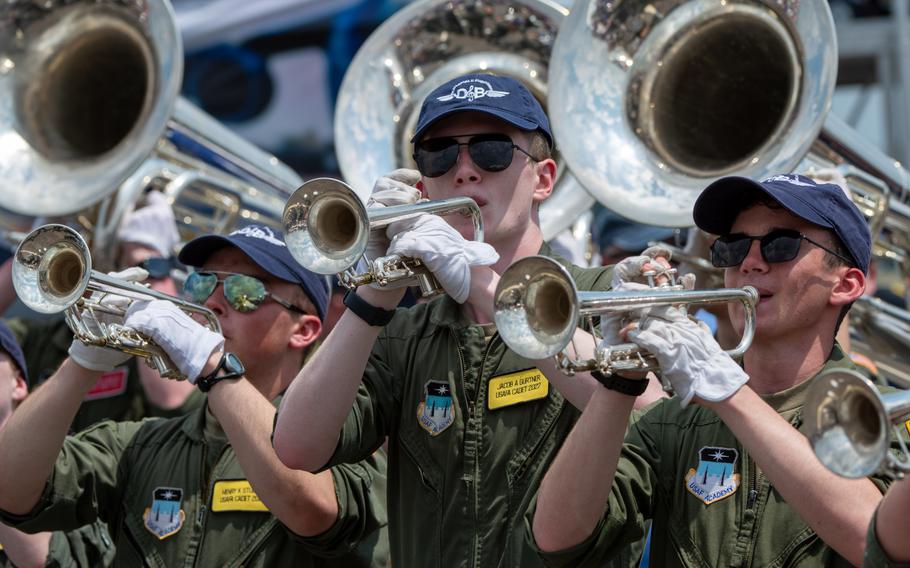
{"points": [[545, 170], [306, 331], [849, 287], [20, 390]]}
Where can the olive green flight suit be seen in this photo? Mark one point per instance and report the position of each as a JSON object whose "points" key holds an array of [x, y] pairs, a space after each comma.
{"points": [[875, 557], [710, 503], [461, 474], [172, 493]]}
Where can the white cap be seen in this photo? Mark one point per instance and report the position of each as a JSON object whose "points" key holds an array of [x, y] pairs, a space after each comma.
{"points": [[153, 225]]}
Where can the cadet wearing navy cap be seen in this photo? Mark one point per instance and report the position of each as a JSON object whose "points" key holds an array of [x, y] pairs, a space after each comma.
{"points": [[207, 488], [471, 424], [722, 468]]}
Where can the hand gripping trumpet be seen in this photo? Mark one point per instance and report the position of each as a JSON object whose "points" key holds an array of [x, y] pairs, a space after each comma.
{"points": [[327, 229], [52, 272], [537, 309], [848, 424]]}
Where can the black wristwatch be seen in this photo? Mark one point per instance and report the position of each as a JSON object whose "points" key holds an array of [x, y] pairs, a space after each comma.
{"points": [[229, 367], [367, 311], [631, 387]]}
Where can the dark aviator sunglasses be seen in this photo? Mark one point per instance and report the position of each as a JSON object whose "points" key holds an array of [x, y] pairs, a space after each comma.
{"points": [[780, 245], [491, 152]]}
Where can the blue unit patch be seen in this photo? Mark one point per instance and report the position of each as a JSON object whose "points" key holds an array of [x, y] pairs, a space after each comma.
{"points": [[714, 478], [437, 411], [165, 517]]}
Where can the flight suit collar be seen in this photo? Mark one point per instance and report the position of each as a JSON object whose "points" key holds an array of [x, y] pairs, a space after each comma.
{"points": [[795, 397], [195, 423]]}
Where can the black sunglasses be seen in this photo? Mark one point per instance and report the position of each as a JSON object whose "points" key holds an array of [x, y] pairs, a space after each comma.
{"points": [[244, 293], [158, 267], [780, 245], [491, 152]]}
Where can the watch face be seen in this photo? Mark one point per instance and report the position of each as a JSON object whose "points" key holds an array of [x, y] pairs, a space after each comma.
{"points": [[232, 364]]}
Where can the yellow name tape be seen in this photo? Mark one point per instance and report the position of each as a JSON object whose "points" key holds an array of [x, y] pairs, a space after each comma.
{"points": [[236, 496], [515, 388]]}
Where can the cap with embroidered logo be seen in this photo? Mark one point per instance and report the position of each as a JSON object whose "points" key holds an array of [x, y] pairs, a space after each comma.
{"points": [[502, 97], [265, 246], [822, 204]]}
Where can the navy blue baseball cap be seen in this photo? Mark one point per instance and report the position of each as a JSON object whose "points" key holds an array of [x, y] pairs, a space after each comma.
{"points": [[823, 204], [9, 344], [265, 247], [502, 97]]}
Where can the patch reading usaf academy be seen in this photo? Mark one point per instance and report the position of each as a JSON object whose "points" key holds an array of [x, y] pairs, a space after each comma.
{"points": [[714, 479], [514, 388], [436, 412], [165, 517]]}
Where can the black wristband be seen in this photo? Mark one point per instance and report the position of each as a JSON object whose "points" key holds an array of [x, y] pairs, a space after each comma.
{"points": [[367, 311], [631, 387]]}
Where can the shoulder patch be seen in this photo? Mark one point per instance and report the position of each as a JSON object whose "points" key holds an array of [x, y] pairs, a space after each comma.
{"points": [[714, 479], [436, 411], [165, 517], [111, 383]]}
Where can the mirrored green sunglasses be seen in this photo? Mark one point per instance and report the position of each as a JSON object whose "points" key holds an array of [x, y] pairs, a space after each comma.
{"points": [[244, 293]]}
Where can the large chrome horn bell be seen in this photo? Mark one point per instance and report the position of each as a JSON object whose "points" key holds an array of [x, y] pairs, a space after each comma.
{"points": [[650, 101], [422, 46]]}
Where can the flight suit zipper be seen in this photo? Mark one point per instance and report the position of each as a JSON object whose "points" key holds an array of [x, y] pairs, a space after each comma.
{"points": [[482, 382], [753, 485], [202, 516]]}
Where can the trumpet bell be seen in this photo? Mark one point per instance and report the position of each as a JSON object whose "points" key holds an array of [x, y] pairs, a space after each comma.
{"points": [[847, 424], [535, 307], [326, 226], [51, 269]]}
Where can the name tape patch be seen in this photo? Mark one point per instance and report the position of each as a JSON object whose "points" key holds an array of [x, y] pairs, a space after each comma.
{"points": [[112, 383], [518, 387], [236, 496]]}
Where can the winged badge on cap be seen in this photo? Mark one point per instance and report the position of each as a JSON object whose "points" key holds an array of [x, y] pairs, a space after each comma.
{"points": [[477, 90]]}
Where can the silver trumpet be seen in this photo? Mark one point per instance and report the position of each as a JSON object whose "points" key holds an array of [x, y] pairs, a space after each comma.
{"points": [[848, 423], [52, 272], [537, 309], [327, 229]]}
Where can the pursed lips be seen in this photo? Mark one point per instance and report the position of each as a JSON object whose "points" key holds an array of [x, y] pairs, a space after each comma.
{"points": [[764, 295]]}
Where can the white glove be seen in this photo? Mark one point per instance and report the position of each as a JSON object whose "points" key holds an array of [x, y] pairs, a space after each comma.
{"points": [[132, 274], [690, 358], [395, 188], [630, 269], [100, 358], [103, 358], [186, 342], [447, 254]]}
